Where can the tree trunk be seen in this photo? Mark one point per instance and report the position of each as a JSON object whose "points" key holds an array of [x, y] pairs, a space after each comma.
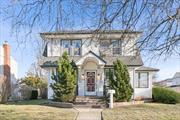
{"points": [[3, 89]]}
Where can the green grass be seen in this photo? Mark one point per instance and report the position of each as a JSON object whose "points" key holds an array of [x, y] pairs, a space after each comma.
{"points": [[150, 111], [34, 110]]}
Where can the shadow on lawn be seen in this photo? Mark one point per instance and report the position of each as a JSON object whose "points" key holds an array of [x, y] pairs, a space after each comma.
{"points": [[42, 102], [29, 102]]}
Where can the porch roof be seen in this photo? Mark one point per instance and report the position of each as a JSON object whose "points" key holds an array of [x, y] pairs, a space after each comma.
{"points": [[144, 68]]}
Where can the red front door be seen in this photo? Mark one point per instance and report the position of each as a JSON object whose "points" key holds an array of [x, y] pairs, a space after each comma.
{"points": [[90, 82]]}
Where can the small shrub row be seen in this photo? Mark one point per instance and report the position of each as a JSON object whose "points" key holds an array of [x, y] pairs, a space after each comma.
{"points": [[165, 95]]}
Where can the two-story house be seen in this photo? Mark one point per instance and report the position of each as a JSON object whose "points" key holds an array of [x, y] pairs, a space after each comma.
{"points": [[93, 54]]}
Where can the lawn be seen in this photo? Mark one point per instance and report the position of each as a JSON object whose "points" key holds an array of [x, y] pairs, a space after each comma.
{"points": [[149, 111], [34, 110]]}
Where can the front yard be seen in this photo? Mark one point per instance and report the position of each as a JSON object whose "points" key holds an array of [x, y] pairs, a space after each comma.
{"points": [[149, 111], [33, 110]]}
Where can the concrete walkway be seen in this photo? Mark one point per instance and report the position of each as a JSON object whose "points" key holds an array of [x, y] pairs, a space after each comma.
{"points": [[89, 114]]}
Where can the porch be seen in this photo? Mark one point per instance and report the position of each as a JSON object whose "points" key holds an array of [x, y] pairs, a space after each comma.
{"points": [[90, 75]]}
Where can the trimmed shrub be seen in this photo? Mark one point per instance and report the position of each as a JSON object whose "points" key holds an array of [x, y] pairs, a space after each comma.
{"points": [[164, 95], [34, 94]]}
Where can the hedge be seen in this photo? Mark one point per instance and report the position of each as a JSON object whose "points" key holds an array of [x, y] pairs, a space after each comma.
{"points": [[165, 95]]}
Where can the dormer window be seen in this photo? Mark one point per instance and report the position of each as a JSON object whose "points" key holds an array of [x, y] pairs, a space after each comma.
{"points": [[72, 47]]}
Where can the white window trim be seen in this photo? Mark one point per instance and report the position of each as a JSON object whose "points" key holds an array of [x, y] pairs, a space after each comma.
{"points": [[138, 80]]}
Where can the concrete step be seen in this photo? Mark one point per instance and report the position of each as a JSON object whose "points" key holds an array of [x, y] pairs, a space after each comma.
{"points": [[90, 101], [90, 105], [89, 98]]}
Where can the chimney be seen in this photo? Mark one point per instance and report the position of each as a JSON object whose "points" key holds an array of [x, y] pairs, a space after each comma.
{"points": [[7, 73]]}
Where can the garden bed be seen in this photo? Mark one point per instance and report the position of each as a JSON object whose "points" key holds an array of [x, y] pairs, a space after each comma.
{"points": [[60, 104]]}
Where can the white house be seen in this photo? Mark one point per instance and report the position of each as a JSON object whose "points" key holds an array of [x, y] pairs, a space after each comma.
{"points": [[93, 54], [172, 83], [8, 68]]}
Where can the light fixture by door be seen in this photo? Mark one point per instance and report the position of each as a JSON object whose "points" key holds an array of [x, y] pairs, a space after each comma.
{"points": [[82, 77], [98, 77]]}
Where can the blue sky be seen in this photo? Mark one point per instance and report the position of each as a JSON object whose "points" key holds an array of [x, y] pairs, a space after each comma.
{"points": [[25, 53]]}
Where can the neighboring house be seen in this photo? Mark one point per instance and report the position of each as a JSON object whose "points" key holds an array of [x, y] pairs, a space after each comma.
{"points": [[93, 55], [8, 68], [173, 83]]}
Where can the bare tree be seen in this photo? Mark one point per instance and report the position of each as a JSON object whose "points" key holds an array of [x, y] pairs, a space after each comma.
{"points": [[4, 90], [35, 69], [158, 19]]}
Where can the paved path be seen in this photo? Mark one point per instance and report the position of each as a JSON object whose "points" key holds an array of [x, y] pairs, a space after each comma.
{"points": [[89, 114]]}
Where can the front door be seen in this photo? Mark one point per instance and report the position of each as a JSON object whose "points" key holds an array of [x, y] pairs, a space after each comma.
{"points": [[90, 83]]}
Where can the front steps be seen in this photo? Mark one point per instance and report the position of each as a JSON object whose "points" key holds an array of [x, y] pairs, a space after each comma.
{"points": [[90, 101]]}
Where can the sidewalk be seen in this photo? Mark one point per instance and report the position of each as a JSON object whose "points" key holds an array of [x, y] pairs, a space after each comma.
{"points": [[89, 114]]}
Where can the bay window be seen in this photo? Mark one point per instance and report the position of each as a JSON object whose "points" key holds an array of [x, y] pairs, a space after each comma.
{"points": [[142, 80]]}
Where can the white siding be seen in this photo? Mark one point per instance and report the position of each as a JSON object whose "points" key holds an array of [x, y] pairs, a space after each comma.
{"points": [[128, 48], [88, 45], [14, 70], [53, 48], [144, 92], [50, 91]]}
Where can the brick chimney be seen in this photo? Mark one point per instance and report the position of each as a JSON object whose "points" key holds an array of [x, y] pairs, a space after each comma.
{"points": [[7, 71]]}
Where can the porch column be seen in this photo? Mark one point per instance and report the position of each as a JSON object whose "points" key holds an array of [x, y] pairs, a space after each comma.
{"points": [[80, 82], [100, 82], [50, 91]]}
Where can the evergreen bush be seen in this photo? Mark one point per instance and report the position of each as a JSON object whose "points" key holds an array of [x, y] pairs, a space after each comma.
{"points": [[120, 82], [64, 85]]}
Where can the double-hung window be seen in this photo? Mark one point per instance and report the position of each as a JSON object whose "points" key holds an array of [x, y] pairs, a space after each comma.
{"points": [[76, 47], [109, 72], [116, 47], [72, 47], [66, 44], [142, 80], [105, 44]]}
